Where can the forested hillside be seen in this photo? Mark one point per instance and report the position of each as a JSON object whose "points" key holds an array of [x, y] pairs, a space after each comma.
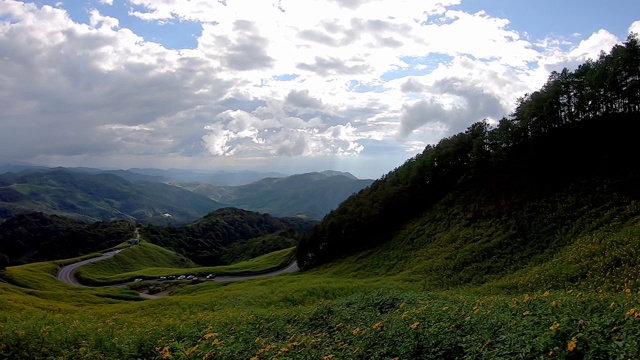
{"points": [[30, 237], [221, 237], [572, 142], [98, 197], [216, 238]]}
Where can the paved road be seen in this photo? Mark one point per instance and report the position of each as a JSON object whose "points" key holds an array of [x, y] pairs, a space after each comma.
{"points": [[66, 273], [292, 267]]}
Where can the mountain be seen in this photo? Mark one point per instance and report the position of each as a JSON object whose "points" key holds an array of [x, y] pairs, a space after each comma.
{"points": [[206, 240], [220, 178], [547, 195], [310, 195], [29, 237], [223, 236], [100, 196]]}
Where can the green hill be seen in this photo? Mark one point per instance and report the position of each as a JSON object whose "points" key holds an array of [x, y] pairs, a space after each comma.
{"points": [[144, 256], [94, 197], [30, 237], [310, 195], [216, 238], [543, 176]]}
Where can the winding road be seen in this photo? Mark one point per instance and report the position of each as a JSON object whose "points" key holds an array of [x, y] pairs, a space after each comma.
{"points": [[66, 273]]}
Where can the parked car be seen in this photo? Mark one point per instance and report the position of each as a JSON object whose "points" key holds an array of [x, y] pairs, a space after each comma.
{"points": [[211, 276], [138, 280], [181, 277]]}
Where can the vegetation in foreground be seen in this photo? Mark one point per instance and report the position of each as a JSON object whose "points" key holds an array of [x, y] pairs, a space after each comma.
{"points": [[316, 316]]}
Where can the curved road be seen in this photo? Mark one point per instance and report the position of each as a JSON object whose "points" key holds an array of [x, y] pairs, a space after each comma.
{"points": [[67, 272]]}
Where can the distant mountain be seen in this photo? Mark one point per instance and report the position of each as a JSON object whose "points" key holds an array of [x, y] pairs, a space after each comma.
{"points": [[223, 178], [310, 195], [92, 197]]}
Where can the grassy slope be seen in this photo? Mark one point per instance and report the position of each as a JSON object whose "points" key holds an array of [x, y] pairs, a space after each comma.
{"points": [[129, 263], [149, 261], [430, 293]]}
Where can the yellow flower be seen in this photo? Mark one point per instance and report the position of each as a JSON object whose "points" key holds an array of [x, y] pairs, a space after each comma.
{"points": [[356, 331], [554, 327], [166, 352], [377, 326], [526, 298], [329, 357], [627, 291], [210, 335], [613, 305], [217, 342], [283, 350], [572, 345], [546, 293], [526, 313], [615, 329], [631, 312], [415, 325], [405, 314]]}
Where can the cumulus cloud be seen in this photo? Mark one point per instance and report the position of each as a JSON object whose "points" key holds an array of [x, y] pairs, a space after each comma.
{"points": [[350, 78], [302, 99], [635, 28], [458, 105]]}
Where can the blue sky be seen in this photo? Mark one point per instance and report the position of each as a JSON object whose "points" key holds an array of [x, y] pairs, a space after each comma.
{"points": [[289, 85]]}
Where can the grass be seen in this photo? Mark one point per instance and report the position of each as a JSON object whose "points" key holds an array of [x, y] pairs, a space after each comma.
{"points": [[310, 316], [149, 261], [430, 293]]}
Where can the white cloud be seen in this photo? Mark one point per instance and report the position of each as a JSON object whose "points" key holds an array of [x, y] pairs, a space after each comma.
{"points": [[277, 78], [635, 28]]}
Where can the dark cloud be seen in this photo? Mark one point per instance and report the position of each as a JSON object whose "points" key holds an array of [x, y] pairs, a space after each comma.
{"points": [[302, 99], [331, 66], [72, 91], [411, 85], [317, 37], [350, 4], [477, 105], [389, 42], [248, 50], [342, 36]]}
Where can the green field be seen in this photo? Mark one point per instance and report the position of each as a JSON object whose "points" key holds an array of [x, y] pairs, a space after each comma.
{"points": [[378, 305]]}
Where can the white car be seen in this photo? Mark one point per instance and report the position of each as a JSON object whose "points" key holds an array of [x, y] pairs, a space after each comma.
{"points": [[138, 280]]}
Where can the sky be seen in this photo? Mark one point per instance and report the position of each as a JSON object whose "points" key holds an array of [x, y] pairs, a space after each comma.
{"points": [[276, 85]]}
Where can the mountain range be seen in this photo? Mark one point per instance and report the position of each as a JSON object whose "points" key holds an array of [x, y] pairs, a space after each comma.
{"points": [[93, 194]]}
